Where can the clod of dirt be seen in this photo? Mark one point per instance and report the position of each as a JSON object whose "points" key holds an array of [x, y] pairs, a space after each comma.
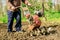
{"points": [[43, 30], [51, 30]]}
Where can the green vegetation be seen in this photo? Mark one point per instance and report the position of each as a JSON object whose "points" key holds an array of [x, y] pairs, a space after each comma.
{"points": [[51, 16], [50, 13]]}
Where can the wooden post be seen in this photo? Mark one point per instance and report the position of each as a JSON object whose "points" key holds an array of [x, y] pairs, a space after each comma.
{"points": [[43, 10], [43, 6]]}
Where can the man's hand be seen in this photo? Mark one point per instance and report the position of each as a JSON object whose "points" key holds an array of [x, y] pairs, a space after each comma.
{"points": [[29, 4], [13, 8]]}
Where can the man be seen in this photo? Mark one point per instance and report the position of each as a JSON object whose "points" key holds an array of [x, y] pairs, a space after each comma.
{"points": [[14, 12]]}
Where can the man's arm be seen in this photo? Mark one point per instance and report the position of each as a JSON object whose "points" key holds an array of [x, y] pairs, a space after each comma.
{"points": [[12, 7]]}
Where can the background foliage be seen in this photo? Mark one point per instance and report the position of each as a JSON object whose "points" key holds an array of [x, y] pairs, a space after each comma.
{"points": [[51, 10]]}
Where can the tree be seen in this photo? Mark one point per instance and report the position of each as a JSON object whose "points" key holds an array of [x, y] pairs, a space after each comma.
{"points": [[0, 7]]}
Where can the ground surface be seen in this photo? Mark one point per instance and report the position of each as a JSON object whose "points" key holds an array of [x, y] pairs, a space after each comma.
{"points": [[4, 35]]}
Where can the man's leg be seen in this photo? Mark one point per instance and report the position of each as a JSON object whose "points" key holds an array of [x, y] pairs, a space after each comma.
{"points": [[18, 20], [10, 20]]}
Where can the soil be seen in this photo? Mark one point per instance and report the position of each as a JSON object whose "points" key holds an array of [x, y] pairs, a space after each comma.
{"points": [[4, 35]]}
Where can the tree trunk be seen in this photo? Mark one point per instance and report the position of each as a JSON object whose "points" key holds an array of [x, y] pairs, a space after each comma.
{"points": [[0, 8]]}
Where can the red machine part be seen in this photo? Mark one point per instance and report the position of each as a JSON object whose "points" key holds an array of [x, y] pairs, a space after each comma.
{"points": [[36, 20]]}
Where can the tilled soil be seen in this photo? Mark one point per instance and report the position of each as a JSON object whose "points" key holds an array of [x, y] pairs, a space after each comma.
{"points": [[4, 35]]}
